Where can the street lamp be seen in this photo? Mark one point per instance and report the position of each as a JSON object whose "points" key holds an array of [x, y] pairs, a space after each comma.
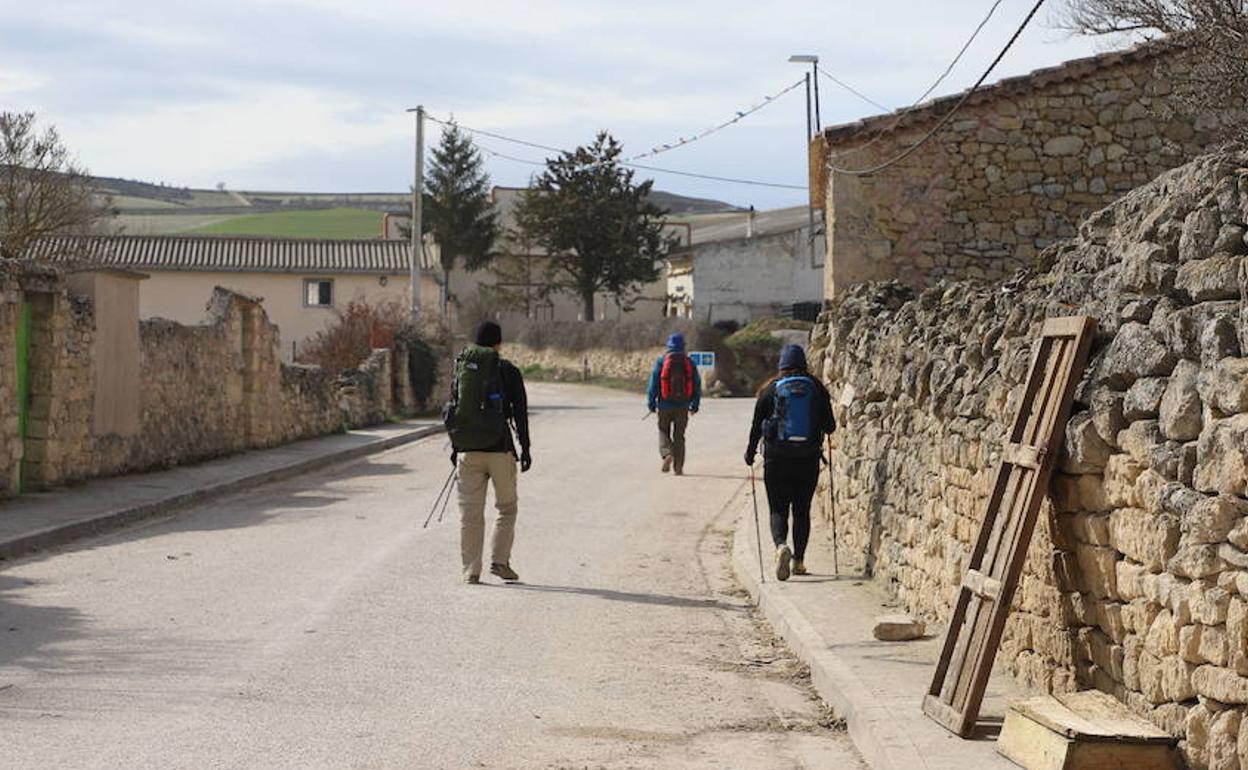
{"points": [[813, 61]]}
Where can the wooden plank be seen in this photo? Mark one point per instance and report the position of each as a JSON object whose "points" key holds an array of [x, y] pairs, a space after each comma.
{"points": [[996, 563], [981, 585], [1082, 731]]}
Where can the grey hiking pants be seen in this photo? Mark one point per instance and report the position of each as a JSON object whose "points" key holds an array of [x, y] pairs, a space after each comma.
{"points": [[672, 424]]}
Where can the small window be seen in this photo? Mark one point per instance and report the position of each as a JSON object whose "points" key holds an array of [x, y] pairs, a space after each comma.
{"points": [[318, 293]]}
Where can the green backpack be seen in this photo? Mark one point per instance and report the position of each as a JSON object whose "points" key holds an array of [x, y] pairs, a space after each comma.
{"points": [[475, 417]]}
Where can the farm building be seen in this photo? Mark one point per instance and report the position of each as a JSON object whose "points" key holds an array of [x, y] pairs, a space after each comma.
{"points": [[301, 281]]}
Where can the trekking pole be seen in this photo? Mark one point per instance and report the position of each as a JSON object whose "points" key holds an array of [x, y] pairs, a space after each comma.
{"points": [[447, 500], [836, 567], [758, 533], [646, 416], [438, 499]]}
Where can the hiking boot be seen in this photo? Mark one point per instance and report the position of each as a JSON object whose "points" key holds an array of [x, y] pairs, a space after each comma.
{"points": [[667, 463], [799, 567], [504, 571], [679, 471], [472, 580], [783, 557]]}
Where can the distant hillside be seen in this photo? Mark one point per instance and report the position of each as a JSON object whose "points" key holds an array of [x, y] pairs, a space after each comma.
{"points": [[680, 204]]}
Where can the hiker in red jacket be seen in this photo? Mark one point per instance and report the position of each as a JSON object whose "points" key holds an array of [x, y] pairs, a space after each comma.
{"points": [[675, 392]]}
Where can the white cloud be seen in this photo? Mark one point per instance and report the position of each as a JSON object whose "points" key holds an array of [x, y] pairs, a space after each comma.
{"points": [[14, 81]]}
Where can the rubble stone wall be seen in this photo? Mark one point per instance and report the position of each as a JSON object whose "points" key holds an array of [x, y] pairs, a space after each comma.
{"points": [[1136, 581], [206, 390], [1014, 173]]}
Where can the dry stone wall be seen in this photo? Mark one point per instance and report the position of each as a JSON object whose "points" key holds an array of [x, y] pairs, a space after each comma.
{"points": [[1136, 581], [206, 390], [1014, 173]]}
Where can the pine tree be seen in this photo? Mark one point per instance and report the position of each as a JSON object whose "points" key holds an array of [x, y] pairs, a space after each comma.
{"points": [[598, 227], [458, 211]]}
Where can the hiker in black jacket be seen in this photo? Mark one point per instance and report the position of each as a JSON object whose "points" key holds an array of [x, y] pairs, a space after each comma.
{"points": [[792, 415], [484, 451]]}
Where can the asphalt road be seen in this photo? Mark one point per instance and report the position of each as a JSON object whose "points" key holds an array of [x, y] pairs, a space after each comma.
{"points": [[315, 624]]}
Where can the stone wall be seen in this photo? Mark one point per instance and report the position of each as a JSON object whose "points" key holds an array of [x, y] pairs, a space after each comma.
{"points": [[205, 390], [1022, 162], [1136, 581]]}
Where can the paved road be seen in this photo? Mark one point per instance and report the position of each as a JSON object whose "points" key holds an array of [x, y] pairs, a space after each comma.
{"points": [[315, 624]]}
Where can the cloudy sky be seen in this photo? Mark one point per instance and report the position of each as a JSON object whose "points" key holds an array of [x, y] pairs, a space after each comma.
{"points": [[310, 94]]}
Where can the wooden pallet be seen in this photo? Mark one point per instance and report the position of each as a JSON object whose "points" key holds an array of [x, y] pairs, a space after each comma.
{"points": [[996, 563], [1082, 731]]}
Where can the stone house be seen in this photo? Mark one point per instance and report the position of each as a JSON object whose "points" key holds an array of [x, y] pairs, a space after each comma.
{"points": [[741, 266], [301, 282], [1017, 168]]}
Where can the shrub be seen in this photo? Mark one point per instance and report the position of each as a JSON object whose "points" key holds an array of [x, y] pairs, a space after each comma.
{"points": [[356, 331]]}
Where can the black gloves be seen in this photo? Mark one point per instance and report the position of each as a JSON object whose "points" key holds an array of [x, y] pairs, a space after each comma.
{"points": [[526, 461], [749, 457]]}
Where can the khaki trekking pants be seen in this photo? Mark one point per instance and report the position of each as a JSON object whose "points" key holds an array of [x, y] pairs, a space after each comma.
{"points": [[672, 424], [476, 470]]}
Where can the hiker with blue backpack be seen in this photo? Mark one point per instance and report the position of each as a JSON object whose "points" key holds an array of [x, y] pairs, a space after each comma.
{"points": [[487, 400], [792, 415], [675, 392]]}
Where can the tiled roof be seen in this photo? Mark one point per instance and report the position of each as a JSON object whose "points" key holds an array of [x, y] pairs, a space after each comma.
{"points": [[1076, 69], [228, 254]]}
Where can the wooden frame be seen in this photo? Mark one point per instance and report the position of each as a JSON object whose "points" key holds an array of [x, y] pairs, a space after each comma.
{"points": [[1027, 461]]}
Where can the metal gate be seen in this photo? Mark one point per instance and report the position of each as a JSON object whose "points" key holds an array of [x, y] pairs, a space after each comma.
{"points": [[1027, 462]]}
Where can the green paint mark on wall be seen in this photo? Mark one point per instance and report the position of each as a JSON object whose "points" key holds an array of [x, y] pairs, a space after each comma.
{"points": [[25, 316]]}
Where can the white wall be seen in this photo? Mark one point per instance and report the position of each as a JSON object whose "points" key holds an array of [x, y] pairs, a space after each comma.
{"points": [[747, 278]]}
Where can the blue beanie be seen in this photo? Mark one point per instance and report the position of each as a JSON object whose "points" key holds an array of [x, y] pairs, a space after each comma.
{"points": [[793, 357], [676, 342]]}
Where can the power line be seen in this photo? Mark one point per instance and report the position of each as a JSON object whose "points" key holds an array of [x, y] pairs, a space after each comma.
{"points": [[965, 47], [851, 89], [627, 163], [948, 116], [736, 118]]}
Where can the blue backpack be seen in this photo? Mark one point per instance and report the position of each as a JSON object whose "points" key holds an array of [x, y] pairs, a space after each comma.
{"points": [[791, 430]]}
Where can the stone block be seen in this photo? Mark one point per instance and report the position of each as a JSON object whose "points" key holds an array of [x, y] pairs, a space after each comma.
{"points": [[1121, 473], [1143, 399], [1225, 386], [1107, 414], [1220, 684], [1085, 452], [1219, 339], [1196, 561], [1214, 519], [1208, 605], [1079, 493], [1222, 457], [1097, 570], [1223, 741], [897, 628], [1136, 351], [1210, 279], [1162, 638], [1200, 232], [1180, 415], [1064, 145], [1148, 538]]}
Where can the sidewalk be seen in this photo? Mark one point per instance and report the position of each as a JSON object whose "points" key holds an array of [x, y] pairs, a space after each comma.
{"points": [[47, 519], [877, 687]]}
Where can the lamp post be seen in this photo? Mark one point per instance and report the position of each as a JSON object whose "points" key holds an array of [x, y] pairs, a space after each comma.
{"points": [[813, 75], [416, 258]]}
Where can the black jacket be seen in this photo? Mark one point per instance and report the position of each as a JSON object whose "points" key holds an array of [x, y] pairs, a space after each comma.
{"points": [[766, 405], [515, 408]]}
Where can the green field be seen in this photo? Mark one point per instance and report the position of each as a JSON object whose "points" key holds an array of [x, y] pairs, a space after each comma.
{"points": [[325, 223]]}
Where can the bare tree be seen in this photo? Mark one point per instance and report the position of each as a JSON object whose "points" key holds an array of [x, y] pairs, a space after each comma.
{"points": [[1213, 34], [42, 190]]}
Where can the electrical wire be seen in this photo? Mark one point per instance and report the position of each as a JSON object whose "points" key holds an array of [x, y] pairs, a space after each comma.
{"points": [[956, 108], [851, 89], [965, 47], [626, 163]]}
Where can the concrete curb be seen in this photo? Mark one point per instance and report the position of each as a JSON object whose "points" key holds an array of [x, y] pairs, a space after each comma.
{"points": [[61, 534], [872, 727]]}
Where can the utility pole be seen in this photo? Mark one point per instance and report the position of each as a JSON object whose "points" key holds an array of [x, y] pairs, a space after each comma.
{"points": [[416, 260], [813, 61]]}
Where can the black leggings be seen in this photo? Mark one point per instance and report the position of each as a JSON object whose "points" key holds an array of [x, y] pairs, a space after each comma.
{"points": [[790, 488]]}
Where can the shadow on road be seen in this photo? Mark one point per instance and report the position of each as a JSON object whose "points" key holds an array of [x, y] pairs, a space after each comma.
{"points": [[25, 629], [627, 596]]}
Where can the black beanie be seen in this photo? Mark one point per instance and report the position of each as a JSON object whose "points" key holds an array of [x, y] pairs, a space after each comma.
{"points": [[489, 334]]}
